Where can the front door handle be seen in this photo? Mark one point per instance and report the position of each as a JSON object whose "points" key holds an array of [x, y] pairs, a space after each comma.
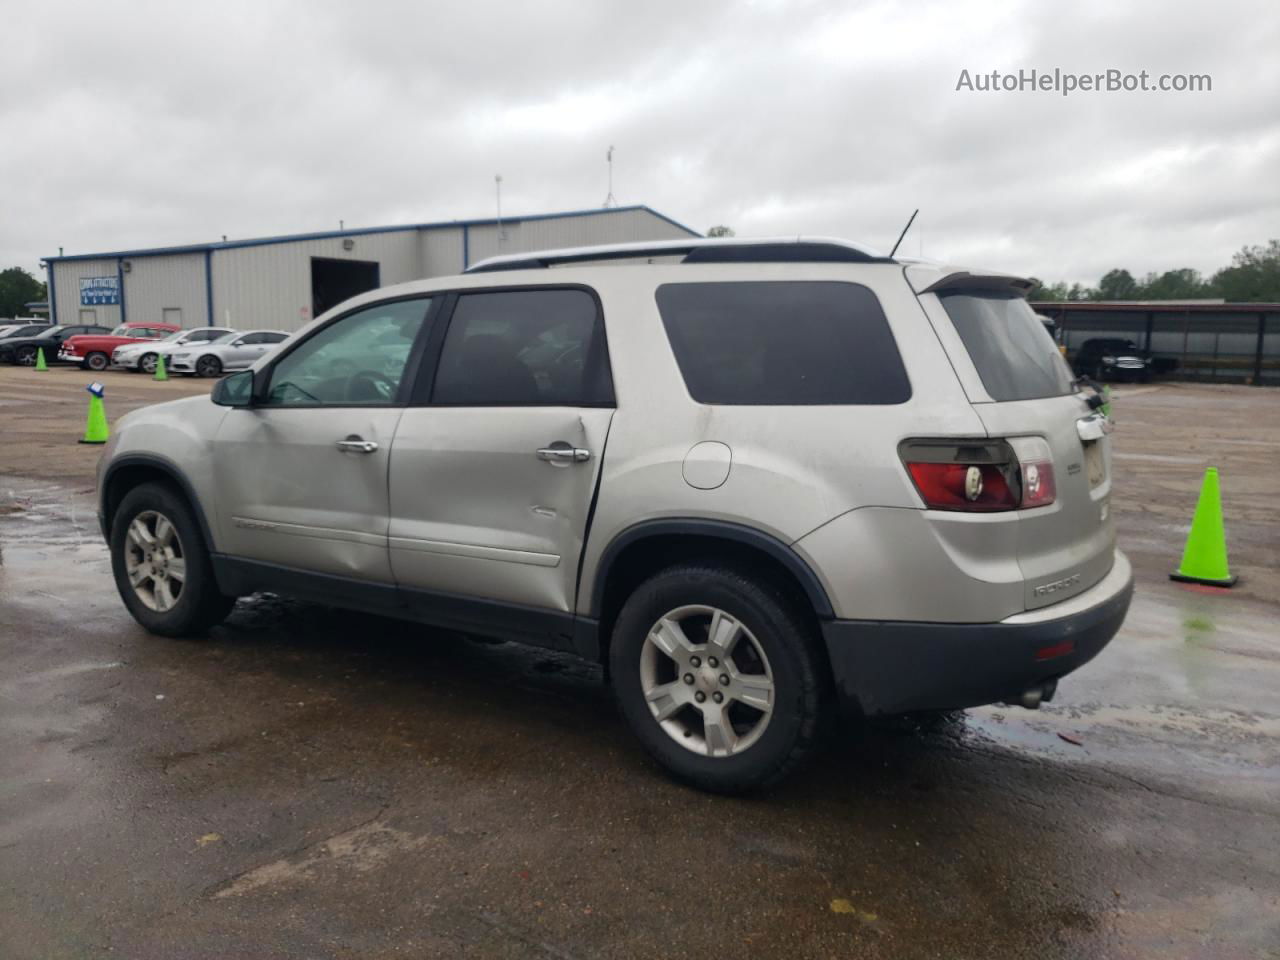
{"points": [[563, 453], [354, 444]]}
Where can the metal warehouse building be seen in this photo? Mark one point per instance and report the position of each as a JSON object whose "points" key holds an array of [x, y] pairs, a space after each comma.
{"points": [[282, 282]]}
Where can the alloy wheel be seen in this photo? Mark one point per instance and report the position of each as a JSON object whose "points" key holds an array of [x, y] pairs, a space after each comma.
{"points": [[148, 363], [209, 367], [707, 681], [155, 561]]}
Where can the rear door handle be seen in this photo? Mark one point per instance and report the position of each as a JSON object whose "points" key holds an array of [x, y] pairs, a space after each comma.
{"points": [[354, 444], [562, 453]]}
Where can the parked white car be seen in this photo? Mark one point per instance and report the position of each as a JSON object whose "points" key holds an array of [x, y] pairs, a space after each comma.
{"points": [[141, 357], [235, 351]]}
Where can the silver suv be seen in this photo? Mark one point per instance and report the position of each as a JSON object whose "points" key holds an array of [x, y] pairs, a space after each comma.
{"points": [[756, 479]]}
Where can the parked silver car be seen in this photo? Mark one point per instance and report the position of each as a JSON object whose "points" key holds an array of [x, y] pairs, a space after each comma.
{"points": [[758, 482], [233, 351], [142, 357]]}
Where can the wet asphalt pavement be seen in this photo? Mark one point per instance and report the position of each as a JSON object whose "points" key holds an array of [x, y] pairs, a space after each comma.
{"points": [[311, 783]]}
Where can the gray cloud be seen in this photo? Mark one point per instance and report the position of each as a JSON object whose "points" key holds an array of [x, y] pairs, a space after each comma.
{"points": [[151, 123]]}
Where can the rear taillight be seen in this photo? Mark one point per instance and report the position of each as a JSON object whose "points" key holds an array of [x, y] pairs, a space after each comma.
{"points": [[977, 475], [1038, 488], [959, 486]]}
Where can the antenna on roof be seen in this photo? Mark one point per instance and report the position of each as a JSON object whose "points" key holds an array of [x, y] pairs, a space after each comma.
{"points": [[497, 186], [904, 232], [609, 200]]}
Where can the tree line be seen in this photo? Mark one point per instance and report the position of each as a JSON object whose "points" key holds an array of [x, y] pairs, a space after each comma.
{"points": [[17, 289], [1252, 277]]}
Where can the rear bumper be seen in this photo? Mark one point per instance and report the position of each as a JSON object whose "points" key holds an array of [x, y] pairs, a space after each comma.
{"points": [[883, 667]]}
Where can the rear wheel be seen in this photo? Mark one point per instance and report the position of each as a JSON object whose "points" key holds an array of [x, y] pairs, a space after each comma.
{"points": [[209, 366], [161, 564], [147, 363], [97, 361], [719, 677]]}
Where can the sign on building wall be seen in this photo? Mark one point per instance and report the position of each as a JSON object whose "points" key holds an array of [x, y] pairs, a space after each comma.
{"points": [[95, 291]]}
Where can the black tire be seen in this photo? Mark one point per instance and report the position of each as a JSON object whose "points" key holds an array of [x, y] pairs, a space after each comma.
{"points": [[200, 605], [801, 707], [146, 364], [25, 356], [97, 361], [208, 366]]}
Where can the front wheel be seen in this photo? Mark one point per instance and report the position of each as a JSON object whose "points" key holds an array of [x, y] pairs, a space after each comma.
{"points": [[719, 677], [147, 363], [161, 564], [25, 356], [209, 366], [97, 362]]}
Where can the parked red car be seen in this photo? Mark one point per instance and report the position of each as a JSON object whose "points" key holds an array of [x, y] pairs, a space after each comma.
{"points": [[93, 351]]}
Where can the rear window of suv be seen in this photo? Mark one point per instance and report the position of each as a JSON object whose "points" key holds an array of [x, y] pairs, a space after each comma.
{"points": [[781, 343], [1013, 353]]}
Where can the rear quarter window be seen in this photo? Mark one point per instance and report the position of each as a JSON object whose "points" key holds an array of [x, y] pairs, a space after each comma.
{"points": [[1013, 353], [781, 343]]}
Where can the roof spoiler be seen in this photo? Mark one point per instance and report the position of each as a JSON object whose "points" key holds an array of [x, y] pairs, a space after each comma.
{"points": [[992, 282]]}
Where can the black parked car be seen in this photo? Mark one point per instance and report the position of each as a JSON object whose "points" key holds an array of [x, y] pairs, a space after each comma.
{"points": [[1113, 358], [22, 348]]}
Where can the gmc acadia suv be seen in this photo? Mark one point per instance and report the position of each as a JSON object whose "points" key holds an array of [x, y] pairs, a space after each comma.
{"points": [[756, 479]]}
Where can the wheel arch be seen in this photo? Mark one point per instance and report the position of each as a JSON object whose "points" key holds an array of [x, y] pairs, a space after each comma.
{"points": [[643, 549], [132, 470]]}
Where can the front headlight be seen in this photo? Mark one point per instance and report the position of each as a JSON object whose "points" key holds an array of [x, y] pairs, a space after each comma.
{"points": [[181, 356], [1108, 360]]}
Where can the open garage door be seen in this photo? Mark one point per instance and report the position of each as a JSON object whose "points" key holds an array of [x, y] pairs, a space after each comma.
{"points": [[333, 281]]}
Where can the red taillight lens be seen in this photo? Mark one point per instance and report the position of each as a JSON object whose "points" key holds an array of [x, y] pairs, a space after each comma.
{"points": [[961, 486], [1038, 488], [980, 475]]}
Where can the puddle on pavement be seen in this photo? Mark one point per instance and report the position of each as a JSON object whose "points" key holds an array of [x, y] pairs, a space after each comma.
{"points": [[1166, 696]]}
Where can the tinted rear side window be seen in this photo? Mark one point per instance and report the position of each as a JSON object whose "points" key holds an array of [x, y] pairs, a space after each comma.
{"points": [[524, 348], [782, 343], [1013, 353]]}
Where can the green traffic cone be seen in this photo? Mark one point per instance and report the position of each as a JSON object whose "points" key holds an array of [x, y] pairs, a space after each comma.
{"points": [[95, 427], [41, 366], [1205, 558], [159, 374]]}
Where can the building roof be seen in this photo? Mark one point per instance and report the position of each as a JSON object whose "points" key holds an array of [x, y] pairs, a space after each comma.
{"points": [[1156, 306], [362, 231]]}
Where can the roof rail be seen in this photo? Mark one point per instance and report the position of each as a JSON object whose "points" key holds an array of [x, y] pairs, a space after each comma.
{"points": [[719, 250]]}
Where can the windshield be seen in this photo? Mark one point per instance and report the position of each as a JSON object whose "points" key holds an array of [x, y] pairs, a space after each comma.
{"points": [[175, 336], [1013, 353], [120, 331]]}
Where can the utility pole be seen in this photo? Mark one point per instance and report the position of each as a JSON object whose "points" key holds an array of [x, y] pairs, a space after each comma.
{"points": [[609, 200], [497, 187]]}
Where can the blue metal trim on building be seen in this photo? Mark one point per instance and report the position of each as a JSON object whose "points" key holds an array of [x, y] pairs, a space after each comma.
{"points": [[208, 288], [466, 246], [124, 316], [53, 296], [365, 231]]}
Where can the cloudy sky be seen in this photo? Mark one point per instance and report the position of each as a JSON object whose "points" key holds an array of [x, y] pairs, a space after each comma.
{"points": [[142, 124]]}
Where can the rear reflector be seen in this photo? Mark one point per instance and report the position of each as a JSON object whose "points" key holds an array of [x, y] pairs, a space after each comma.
{"points": [[1057, 650], [979, 476]]}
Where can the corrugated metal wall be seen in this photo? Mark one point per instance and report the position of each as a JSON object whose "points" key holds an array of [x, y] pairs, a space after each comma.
{"points": [[441, 253], [153, 285], [66, 279], [268, 287]]}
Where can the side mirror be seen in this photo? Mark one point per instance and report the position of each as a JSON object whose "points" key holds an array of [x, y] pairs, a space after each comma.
{"points": [[235, 390]]}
